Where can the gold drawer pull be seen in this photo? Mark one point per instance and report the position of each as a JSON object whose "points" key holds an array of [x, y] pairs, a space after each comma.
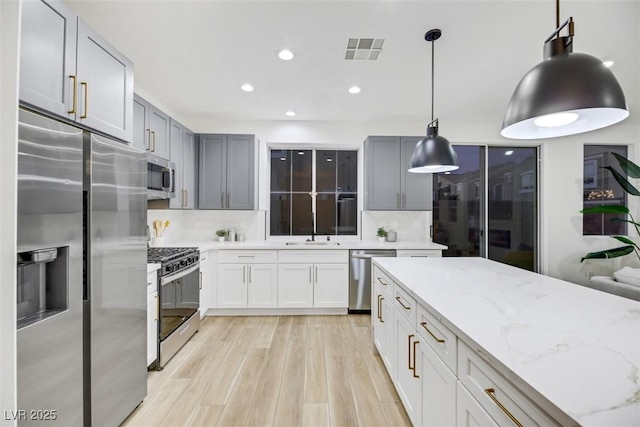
{"points": [[415, 343], [491, 392], [381, 281], [424, 325], [409, 352], [402, 304], [86, 99], [74, 102], [380, 305]]}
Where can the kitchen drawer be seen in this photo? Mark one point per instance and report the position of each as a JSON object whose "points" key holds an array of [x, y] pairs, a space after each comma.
{"points": [[420, 253], [248, 257], [204, 256], [502, 400], [313, 256], [381, 278], [405, 304], [438, 337]]}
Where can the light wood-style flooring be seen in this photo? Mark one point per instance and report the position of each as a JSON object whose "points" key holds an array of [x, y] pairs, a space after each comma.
{"points": [[274, 371]]}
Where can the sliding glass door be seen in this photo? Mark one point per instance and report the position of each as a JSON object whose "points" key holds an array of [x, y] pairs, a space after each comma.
{"points": [[489, 207]]}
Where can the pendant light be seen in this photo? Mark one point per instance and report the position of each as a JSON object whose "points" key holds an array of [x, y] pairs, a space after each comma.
{"points": [[567, 93], [434, 152]]}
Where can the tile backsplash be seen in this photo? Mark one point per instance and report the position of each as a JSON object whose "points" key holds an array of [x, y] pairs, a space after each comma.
{"points": [[201, 225]]}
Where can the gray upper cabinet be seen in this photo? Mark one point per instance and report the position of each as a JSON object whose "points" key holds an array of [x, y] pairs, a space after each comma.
{"points": [[69, 70], [183, 156], [227, 172], [151, 129], [48, 57], [388, 183]]}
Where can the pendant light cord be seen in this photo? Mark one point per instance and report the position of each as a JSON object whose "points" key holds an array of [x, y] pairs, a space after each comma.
{"points": [[432, 76], [557, 13]]}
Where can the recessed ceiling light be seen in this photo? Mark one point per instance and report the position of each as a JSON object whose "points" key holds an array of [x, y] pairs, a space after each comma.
{"points": [[508, 152], [301, 153], [354, 89], [290, 113], [329, 159], [247, 87], [608, 64], [285, 55]]}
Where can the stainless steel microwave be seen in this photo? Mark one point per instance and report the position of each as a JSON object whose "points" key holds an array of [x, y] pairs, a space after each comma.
{"points": [[160, 178]]}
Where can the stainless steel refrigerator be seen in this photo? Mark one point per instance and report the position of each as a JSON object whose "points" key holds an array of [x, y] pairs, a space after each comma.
{"points": [[81, 297]]}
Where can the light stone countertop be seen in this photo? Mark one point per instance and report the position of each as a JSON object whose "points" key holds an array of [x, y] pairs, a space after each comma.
{"points": [[574, 346], [209, 245]]}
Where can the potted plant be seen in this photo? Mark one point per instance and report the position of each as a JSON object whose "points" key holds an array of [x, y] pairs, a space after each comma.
{"points": [[221, 234], [382, 234], [632, 171]]}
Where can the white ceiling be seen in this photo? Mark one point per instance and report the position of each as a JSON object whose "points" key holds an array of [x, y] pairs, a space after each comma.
{"points": [[194, 55]]}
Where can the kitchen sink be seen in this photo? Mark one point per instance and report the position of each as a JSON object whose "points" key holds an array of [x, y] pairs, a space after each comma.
{"points": [[313, 243]]}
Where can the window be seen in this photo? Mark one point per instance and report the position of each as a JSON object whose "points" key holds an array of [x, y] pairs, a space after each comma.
{"points": [[600, 188], [308, 181]]}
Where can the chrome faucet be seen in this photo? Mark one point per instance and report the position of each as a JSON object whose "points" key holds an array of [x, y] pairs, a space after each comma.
{"points": [[313, 228]]}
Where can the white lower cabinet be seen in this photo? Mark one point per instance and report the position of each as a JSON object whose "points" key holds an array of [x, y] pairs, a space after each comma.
{"points": [[469, 413], [407, 379], [330, 287], [438, 390], [152, 317], [382, 316], [247, 285], [295, 285]]}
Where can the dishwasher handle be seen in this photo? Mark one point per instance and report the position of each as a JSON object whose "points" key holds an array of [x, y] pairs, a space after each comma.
{"points": [[369, 256]]}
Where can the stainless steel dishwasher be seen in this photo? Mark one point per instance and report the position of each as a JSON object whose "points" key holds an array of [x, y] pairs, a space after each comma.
{"points": [[360, 277]]}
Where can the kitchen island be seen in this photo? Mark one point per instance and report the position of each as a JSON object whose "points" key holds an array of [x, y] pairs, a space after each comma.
{"points": [[558, 352]]}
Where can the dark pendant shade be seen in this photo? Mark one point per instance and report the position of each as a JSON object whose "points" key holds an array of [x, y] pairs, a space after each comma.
{"points": [[567, 93], [433, 154]]}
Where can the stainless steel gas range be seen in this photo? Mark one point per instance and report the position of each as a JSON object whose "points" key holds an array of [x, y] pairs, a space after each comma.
{"points": [[179, 294]]}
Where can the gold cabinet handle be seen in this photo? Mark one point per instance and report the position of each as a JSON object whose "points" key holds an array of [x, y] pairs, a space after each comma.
{"points": [[381, 281], [491, 393], [153, 141], [148, 139], [86, 99], [424, 325], [380, 310], [415, 343], [411, 368], [74, 102], [402, 304]]}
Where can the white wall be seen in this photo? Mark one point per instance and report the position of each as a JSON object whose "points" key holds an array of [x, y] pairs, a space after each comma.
{"points": [[9, 36]]}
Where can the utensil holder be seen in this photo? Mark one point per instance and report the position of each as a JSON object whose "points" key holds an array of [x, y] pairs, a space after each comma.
{"points": [[157, 242]]}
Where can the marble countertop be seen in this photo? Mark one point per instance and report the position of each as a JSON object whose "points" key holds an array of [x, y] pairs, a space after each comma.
{"points": [[274, 245], [574, 346]]}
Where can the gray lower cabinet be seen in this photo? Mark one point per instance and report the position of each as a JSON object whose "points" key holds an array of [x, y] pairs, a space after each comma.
{"points": [[151, 129], [388, 183], [69, 70], [227, 178], [183, 156]]}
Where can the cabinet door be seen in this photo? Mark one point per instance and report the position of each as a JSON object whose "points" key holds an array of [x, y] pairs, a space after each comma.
{"points": [[407, 384], [382, 318], [232, 285], [382, 173], [176, 150], [331, 285], [152, 327], [48, 56], [262, 289], [141, 134], [212, 190], [416, 187], [160, 128], [105, 92], [240, 172], [438, 390], [295, 285], [189, 168], [469, 413]]}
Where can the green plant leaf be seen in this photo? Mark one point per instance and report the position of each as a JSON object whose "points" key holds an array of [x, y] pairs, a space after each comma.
{"points": [[637, 224], [609, 253], [626, 240], [624, 183], [606, 209], [630, 168]]}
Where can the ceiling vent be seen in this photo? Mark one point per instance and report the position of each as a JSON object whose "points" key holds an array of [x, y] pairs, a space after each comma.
{"points": [[363, 49]]}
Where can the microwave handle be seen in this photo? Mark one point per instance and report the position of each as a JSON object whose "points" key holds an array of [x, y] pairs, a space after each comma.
{"points": [[168, 183]]}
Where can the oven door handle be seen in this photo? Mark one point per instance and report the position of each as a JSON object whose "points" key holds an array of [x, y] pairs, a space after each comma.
{"points": [[166, 279]]}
